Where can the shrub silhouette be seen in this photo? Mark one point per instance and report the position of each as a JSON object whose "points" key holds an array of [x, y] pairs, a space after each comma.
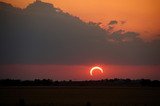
{"points": [[88, 104], [22, 102], [103, 82]]}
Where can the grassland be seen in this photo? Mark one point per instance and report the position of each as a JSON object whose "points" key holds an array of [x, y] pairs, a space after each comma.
{"points": [[79, 96]]}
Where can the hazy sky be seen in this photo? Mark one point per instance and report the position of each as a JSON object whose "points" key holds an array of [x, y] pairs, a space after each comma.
{"points": [[41, 42], [77, 72], [140, 16]]}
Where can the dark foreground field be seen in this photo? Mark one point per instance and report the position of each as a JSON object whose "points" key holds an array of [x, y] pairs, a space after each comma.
{"points": [[79, 96]]}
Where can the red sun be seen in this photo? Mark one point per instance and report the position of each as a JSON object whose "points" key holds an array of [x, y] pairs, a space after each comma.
{"points": [[95, 68]]}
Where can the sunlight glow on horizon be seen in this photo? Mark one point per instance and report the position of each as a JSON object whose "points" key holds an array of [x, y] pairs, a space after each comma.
{"points": [[76, 72], [95, 68]]}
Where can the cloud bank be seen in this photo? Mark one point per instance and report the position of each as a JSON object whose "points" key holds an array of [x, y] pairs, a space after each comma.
{"points": [[43, 34]]}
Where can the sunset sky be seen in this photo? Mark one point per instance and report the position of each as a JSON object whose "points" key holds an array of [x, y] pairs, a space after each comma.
{"points": [[140, 16], [70, 47]]}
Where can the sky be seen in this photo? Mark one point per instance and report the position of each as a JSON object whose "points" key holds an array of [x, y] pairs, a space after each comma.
{"points": [[77, 72], [42, 42], [140, 16]]}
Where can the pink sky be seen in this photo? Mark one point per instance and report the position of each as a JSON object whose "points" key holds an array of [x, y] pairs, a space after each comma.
{"points": [[77, 72]]}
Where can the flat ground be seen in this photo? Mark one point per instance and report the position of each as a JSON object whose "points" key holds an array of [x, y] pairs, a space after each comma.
{"points": [[79, 96]]}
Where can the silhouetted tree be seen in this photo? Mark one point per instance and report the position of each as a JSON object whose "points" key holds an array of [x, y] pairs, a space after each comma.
{"points": [[145, 82], [22, 102], [155, 83], [88, 104], [106, 82]]}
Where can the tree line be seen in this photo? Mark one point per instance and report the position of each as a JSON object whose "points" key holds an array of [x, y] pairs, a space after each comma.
{"points": [[103, 82]]}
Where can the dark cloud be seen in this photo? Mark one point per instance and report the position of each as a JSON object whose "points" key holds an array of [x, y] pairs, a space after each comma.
{"points": [[122, 36], [113, 22], [43, 34]]}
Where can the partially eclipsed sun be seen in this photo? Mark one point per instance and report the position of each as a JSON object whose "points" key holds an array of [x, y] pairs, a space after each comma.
{"points": [[95, 68]]}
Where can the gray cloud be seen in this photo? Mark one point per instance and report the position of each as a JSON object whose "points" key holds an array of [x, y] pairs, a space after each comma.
{"points": [[40, 34], [122, 36]]}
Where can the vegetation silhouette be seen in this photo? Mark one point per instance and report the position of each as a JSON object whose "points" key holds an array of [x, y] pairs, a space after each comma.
{"points": [[106, 92], [22, 102], [103, 82], [88, 104]]}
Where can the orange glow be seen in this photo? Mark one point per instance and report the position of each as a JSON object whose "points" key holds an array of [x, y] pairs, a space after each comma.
{"points": [[65, 72], [140, 15], [95, 68]]}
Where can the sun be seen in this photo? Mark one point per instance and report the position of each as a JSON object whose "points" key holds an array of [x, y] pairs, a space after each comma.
{"points": [[94, 69]]}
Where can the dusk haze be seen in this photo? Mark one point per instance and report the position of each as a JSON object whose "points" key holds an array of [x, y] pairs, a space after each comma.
{"points": [[43, 41], [88, 44]]}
